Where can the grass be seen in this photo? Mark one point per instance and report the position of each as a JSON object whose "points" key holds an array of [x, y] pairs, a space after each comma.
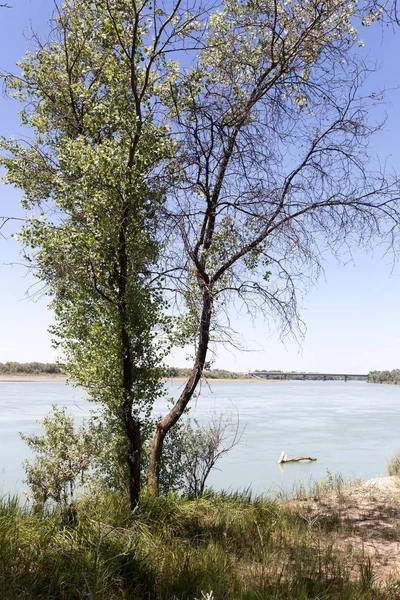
{"points": [[219, 547], [393, 464]]}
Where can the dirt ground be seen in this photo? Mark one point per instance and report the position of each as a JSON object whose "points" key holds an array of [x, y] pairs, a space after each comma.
{"points": [[364, 519]]}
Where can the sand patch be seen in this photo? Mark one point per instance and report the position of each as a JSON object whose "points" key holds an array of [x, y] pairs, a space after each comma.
{"points": [[364, 520]]}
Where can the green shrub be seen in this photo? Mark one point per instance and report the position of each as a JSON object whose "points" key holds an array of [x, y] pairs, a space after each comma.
{"points": [[62, 459]]}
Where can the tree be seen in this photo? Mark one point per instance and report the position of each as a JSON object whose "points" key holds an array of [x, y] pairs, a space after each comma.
{"points": [[62, 461], [94, 175], [275, 167], [224, 175], [384, 376]]}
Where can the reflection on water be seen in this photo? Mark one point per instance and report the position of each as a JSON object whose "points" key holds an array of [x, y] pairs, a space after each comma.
{"points": [[352, 428]]}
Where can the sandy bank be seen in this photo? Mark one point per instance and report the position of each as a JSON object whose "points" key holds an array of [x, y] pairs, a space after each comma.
{"points": [[389, 483], [362, 516], [31, 378]]}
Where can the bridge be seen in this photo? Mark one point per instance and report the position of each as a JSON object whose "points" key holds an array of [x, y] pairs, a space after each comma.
{"points": [[304, 376]]}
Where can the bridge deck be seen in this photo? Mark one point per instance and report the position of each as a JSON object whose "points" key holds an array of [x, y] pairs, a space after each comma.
{"points": [[299, 374]]}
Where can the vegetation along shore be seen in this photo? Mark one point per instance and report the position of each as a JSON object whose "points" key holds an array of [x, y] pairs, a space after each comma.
{"points": [[385, 377], [37, 371], [336, 542]]}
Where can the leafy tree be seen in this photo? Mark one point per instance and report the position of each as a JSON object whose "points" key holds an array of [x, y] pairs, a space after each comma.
{"points": [[94, 179], [385, 376], [63, 457]]}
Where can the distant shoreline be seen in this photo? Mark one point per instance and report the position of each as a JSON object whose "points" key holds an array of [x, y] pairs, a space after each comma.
{"points": [[31, 378], [63, 378]]}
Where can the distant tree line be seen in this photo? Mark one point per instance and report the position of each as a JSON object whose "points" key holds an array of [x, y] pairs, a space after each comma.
{"points": [[384, 376], [38, 368], [32, 368], [172, 372]]}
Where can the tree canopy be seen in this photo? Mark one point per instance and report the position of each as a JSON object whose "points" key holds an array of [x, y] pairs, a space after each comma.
{"points": [[92, 182]]}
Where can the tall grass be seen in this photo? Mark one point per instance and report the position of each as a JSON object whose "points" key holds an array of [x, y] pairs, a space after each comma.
{"points": [[393, 464], [220, 547]]}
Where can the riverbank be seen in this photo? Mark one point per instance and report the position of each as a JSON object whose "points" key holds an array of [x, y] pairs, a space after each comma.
{"points": [[338, 542], [363, 519]]}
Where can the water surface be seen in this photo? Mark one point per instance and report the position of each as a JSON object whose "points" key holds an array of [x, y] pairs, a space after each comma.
{"points": [[352, 428]]}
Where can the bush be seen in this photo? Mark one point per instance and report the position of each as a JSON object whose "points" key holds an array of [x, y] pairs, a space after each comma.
{"points": [[62, 459], [203, 446]]}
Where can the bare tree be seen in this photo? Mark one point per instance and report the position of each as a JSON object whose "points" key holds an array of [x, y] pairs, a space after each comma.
{"points": [[204, 445], [276, 169]]}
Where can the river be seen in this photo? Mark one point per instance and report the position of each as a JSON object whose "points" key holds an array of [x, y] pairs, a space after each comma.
{"points": [[351, 428]]}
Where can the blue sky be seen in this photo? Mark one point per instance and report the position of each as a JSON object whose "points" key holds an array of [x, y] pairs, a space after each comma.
{"points": [[352, 314]]}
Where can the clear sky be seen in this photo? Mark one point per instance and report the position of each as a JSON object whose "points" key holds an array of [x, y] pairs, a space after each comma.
{"points": [[352, 314]]}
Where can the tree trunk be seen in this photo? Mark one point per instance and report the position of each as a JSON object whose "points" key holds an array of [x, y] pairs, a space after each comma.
{"points": [[177, 410], [132, 425], [134, 460]]}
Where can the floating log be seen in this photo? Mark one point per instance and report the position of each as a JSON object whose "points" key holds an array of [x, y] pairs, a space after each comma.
{"points": [[284, 458]]}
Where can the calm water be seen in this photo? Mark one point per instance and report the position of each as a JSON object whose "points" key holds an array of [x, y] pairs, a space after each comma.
{"points": [[352, 428]]}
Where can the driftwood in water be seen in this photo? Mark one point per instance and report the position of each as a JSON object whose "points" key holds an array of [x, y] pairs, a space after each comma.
{"points": [[284, 458]]}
